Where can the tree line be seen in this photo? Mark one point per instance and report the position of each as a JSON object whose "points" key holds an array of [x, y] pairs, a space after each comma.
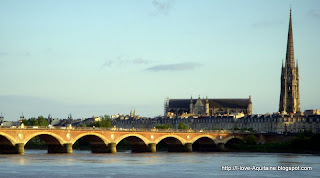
{"points": [[105, 121], [40, 121]]}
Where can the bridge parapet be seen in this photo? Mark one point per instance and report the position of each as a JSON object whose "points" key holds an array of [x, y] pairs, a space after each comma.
{"points": [[124, 130]]}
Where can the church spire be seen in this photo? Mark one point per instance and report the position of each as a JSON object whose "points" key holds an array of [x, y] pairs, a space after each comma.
{"points": [[289, 95], [290, 52]]}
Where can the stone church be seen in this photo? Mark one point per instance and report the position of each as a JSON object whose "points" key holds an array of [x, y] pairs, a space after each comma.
{"points": [[289, 96], [208, 107]]}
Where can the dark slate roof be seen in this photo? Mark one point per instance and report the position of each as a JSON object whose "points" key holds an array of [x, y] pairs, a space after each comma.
{"points": [[179, 103], [214, 103]]}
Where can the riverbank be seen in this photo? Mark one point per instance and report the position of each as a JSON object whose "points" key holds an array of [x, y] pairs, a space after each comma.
{"points": [[305, 143]]}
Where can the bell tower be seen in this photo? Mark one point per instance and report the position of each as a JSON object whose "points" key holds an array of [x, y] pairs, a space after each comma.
{"points": [[289, 96]]}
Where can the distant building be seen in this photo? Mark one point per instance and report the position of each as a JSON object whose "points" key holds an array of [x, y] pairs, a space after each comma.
{"points": [[267, 123], [207, 107], [132, 115], [311, 112], [10, 124], [53, 121]]}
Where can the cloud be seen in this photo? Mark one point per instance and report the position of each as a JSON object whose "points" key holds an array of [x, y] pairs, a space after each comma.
{"points": [[120, 60], [108, 63], [174, 67], [314, 13], [163, 6], [140, 61]]}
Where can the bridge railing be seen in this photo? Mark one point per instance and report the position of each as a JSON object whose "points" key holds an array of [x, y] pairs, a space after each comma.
{"points": [[125, 129]]}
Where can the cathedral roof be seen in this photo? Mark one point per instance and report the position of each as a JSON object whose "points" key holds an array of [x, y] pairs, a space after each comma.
{"points": [[213, 103]]}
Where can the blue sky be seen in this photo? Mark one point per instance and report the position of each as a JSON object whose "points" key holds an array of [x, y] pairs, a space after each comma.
{"points": [[107, 57]]}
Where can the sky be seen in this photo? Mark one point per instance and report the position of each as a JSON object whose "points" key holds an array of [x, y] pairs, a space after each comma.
{"points": [[96, 57]]}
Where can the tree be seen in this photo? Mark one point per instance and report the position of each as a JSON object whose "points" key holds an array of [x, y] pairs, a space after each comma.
{"points": [[104, 122], [163, 126], [183, 126], [42, 121], [25, 122], [251, 140], [32, 121]]}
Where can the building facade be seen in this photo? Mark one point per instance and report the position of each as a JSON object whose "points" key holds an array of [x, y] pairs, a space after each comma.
{"points": [[267, 123], [289, 95]]}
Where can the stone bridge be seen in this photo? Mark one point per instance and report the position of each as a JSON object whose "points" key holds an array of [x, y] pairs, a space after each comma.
{"points": [[61, 140]]}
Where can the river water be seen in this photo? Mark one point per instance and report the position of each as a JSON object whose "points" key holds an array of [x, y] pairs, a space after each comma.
{"points": [[37, 163]]}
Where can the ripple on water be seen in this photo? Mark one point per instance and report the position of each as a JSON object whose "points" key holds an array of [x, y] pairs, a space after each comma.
{"points": [[37, 163]]}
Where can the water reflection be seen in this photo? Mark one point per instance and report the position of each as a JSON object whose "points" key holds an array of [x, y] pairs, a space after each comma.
{"points": [[161, 164]]}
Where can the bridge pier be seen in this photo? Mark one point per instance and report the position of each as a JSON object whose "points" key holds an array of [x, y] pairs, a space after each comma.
{"points": [[12, 149], [188, 147], [221, 146], [112, 148], [65, 148], [152, 147], [261, 139], [19, 148]]}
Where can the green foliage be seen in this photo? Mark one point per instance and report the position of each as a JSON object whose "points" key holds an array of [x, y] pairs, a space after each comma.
{"points": [[33, 121], [124, 145], [316, 139], [36, 143], [164, 126], [250, 129], [306, 133], [183, 126], [251, 140], [82, 144], [300, 144], [42, 121], [25, 122], [236, 128], [315, 142], [104, 122]]}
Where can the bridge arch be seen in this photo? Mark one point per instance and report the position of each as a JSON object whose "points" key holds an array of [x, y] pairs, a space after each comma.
{"points": [[204, 143], [56, 138], [8, 137], [137, 142], [232, 137], [183, 141], [171, 143], [98, 142], [204, 136], [102, 137], [144, 139]]}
